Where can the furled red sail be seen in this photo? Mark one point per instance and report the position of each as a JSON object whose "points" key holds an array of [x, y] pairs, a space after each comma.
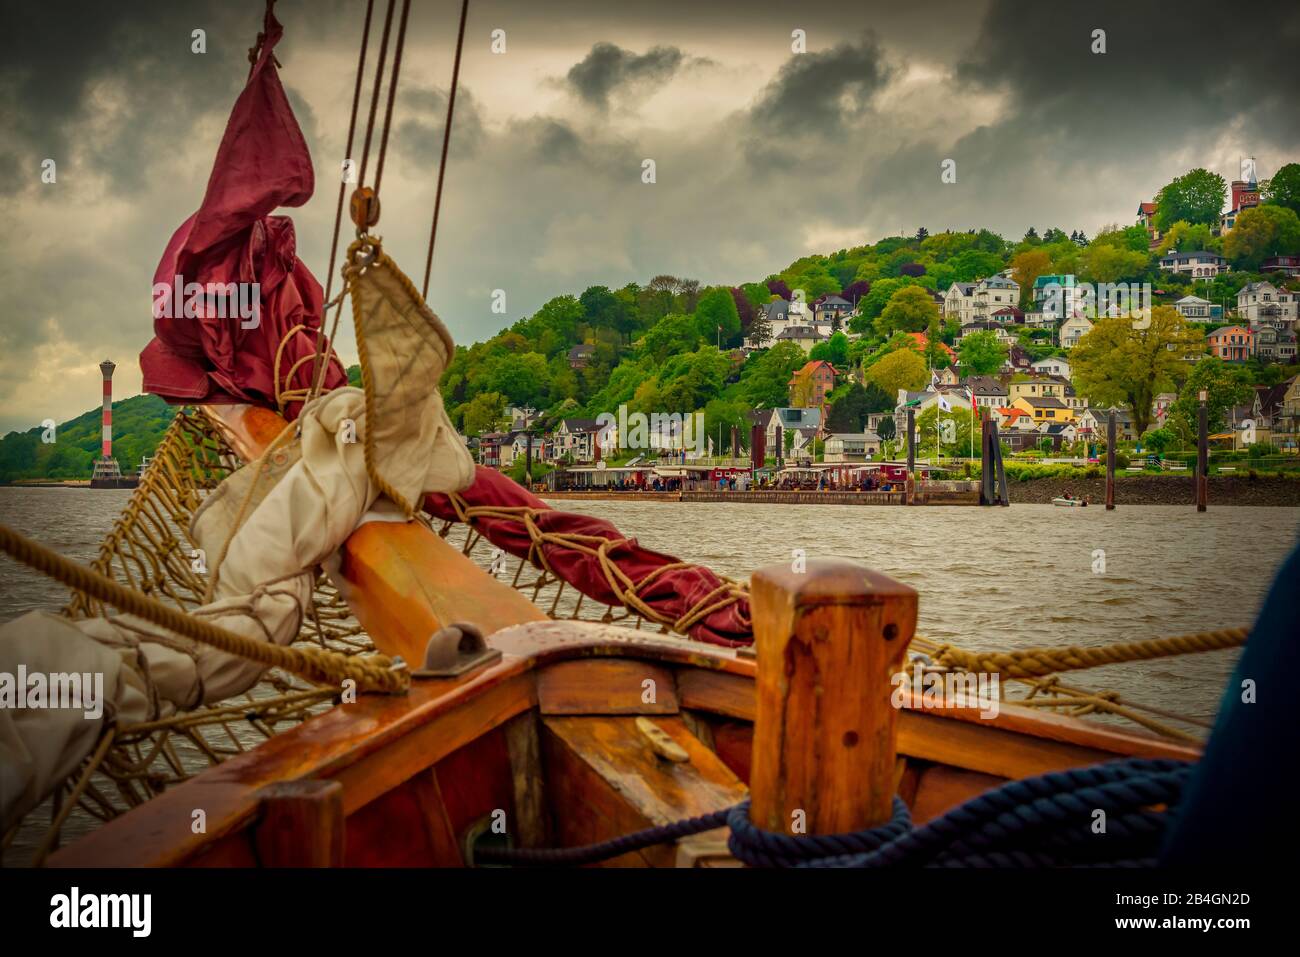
{"points": [[674, 590], [262, 163]]}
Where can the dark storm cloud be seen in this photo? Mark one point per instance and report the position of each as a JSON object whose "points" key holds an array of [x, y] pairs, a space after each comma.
{"points": [[418, 137], [1167, 72], [66, 66], [813, 101], [608, 69]]}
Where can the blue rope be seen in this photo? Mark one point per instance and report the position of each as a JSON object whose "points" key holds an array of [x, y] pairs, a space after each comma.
{"points": [[1045, 821]]}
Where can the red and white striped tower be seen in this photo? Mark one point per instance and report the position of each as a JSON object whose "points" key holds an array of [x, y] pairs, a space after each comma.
{"points": [[107, 367]]}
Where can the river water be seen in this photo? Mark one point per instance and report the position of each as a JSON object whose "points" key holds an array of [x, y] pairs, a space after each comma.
{"points": [[989, 578]]}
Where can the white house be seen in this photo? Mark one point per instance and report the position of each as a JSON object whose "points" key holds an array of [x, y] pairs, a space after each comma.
{"points": [[1197, 309], [1003, 334], [851, 446], [576, 438], [1201, 264], [994, 293], [1053, 365], [1264, 303], [804, 336], [1072, 330], [989, 392], [789, 420], [959, 302], [516, 447]]}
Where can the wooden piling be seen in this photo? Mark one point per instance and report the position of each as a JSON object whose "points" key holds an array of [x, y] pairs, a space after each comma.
{"points": [[1110, 461], [1202, 456], [828, 641], [911, 441]]}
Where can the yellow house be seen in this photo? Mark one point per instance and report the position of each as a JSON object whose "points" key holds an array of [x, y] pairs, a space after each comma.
{"points": [[1041, 387], [1044, 409]]}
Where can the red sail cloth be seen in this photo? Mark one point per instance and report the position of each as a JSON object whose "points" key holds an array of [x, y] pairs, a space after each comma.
{"points": [[262, 163], [672, 593]]}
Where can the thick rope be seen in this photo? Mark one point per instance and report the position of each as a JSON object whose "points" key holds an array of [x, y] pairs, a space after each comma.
{"points": [[1037, 662], [760, 848], [1044, 821], [603, 851], [322, 666]]}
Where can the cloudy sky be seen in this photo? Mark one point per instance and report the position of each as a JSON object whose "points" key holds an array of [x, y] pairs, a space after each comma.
{"points": [[762, 154]]}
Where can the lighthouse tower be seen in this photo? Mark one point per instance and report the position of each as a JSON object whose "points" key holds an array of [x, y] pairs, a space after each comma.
{"points": [[106, 473]]}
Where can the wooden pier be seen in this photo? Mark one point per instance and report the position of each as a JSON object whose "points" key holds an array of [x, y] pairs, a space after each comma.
{"points": [[925, 494]]}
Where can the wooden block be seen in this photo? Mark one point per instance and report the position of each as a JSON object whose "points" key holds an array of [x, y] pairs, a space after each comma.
{"points": [[301, 825], [606, 686], [941, 789], [606, 781]]}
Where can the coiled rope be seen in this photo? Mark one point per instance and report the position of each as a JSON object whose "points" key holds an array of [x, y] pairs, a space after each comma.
{"points": [[319, 665]]}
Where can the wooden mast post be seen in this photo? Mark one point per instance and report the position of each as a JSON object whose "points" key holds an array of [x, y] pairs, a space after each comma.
{"points": [[1202, 454], [1110, 461], [828, 641]]}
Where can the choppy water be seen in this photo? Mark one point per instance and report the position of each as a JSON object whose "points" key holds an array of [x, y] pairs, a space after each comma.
{"points": [[1018, 577], [988, 578]]}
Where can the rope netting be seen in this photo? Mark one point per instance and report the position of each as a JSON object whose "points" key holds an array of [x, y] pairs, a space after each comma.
{"points": [[149, 551]]}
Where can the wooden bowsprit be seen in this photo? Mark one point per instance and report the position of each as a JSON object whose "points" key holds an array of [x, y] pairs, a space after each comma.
{"points": [[403, 582]]}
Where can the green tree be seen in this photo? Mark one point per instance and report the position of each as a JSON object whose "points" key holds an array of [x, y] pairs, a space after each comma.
{"points": [[1226, 385], [901, 369], [954, 439], [1110, 263], [765, 379], [1264, 231], [1118, 363], [1027, 267], [524, 378], [981, 353], [910, 309], [483, 413], [835, 350], [717, 310], [1284, 188], [1196, 196], [848, 412], [673, 334], [1159, 440], [1185, 237]]}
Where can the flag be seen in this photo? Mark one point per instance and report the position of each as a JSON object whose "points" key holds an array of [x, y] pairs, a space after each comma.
{"points": [[974, 406], [944, 404], [934, 380]]}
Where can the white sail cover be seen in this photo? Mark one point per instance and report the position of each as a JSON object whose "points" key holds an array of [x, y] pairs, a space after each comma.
{"points": [[303, 510]]}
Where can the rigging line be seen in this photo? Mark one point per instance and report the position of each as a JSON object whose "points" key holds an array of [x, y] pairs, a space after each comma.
{"points": [[392, 93], [317, 372], [374, 94], [446, 138]]}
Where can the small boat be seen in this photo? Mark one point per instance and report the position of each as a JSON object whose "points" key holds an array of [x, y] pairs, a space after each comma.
{"points": [[1070, 502]]}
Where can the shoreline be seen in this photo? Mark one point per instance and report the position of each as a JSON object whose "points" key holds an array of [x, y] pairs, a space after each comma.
{"points": [[1178, 490]]}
